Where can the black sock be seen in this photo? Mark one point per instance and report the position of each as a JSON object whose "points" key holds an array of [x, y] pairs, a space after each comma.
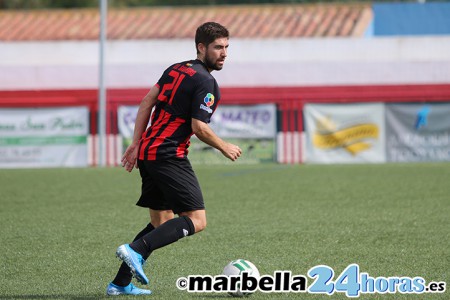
{"points": [[124, 276], [168, 233]]}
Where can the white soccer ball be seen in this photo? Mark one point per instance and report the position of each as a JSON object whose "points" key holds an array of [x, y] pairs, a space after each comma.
{"points": [[237, 267]]}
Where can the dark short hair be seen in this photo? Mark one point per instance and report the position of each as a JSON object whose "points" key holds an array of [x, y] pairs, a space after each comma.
{"points": [[208, 32]]}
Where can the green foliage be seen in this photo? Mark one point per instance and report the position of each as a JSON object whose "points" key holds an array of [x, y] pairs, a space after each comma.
{"points": [[60, 227], [40, 4]]}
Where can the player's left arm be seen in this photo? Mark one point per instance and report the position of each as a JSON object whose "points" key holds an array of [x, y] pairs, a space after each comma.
{"points": [[208, 136], [129, 158]]}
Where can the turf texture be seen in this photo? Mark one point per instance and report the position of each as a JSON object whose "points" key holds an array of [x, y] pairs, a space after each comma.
{"points": [[60, 227]]}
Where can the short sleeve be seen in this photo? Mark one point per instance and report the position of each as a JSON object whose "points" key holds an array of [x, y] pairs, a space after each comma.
{"points": [[205, 100]]}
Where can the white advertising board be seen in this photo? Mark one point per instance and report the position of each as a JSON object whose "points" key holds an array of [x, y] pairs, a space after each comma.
{"points": [[252, 127], [43, 137]]}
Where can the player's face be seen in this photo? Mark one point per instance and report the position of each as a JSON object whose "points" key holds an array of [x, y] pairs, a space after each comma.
{"points": [[215, 54]]}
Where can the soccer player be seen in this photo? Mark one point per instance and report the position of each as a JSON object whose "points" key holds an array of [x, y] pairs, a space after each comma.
{"points": [[184, 99]]}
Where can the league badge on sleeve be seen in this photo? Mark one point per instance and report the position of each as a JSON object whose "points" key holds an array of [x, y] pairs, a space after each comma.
{"points": [[209, 101]]}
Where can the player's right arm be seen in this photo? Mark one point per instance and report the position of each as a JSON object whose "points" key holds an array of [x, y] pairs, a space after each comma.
{"points": [[129, 158], [208, 136]]}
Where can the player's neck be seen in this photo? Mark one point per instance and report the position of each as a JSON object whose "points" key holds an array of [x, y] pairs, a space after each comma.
{"points": [[204, 64]]}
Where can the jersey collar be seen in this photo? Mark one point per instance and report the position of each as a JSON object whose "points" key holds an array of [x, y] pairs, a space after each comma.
{"points": [[203, 64]]}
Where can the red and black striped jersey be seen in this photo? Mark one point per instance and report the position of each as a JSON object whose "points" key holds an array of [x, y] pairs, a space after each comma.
{"points": [[186, 90]]}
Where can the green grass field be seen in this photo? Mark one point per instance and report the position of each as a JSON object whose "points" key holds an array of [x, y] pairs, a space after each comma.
{"points": [[60, 227]]}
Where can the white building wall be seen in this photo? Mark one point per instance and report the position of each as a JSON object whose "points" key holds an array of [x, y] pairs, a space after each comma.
{"points": [[273, 62]]}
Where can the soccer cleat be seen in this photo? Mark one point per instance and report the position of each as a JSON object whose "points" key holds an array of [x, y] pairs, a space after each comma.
{"points": [[115, 290], [134, 260]]}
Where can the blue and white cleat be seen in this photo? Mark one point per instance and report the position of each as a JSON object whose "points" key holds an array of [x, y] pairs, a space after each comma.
{"points": [[134, 260], [115, 290]]}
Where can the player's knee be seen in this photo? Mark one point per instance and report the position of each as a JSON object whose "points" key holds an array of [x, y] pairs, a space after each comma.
{"points": [[157, 218], [198, 219], [199, 224], [158, 222]]}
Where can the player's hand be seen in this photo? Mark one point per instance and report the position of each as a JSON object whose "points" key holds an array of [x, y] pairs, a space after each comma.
{"points": [[129, 158], [231, 151]]}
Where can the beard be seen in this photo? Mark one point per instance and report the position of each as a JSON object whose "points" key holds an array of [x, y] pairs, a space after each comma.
{"points": [[212, 64]]}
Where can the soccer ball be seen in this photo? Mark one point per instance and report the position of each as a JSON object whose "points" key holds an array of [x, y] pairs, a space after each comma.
{"points": [[238, 266]]}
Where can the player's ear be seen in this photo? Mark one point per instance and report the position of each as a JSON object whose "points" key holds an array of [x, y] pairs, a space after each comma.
{"points": [[201, 48]]}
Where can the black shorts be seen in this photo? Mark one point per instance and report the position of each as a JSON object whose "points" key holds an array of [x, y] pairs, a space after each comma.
{"points": [[170, 185]]}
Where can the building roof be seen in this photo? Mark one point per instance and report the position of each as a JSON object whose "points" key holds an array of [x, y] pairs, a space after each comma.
{"points": [[243, 21]]}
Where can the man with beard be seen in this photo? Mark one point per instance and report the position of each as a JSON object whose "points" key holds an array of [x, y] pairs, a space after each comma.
{"points": [[184, 100]]}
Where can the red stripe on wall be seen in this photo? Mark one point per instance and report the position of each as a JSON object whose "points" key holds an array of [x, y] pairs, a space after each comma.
{"points": [[292, 129], [414, 93], [300, 129], [284, 129]]}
